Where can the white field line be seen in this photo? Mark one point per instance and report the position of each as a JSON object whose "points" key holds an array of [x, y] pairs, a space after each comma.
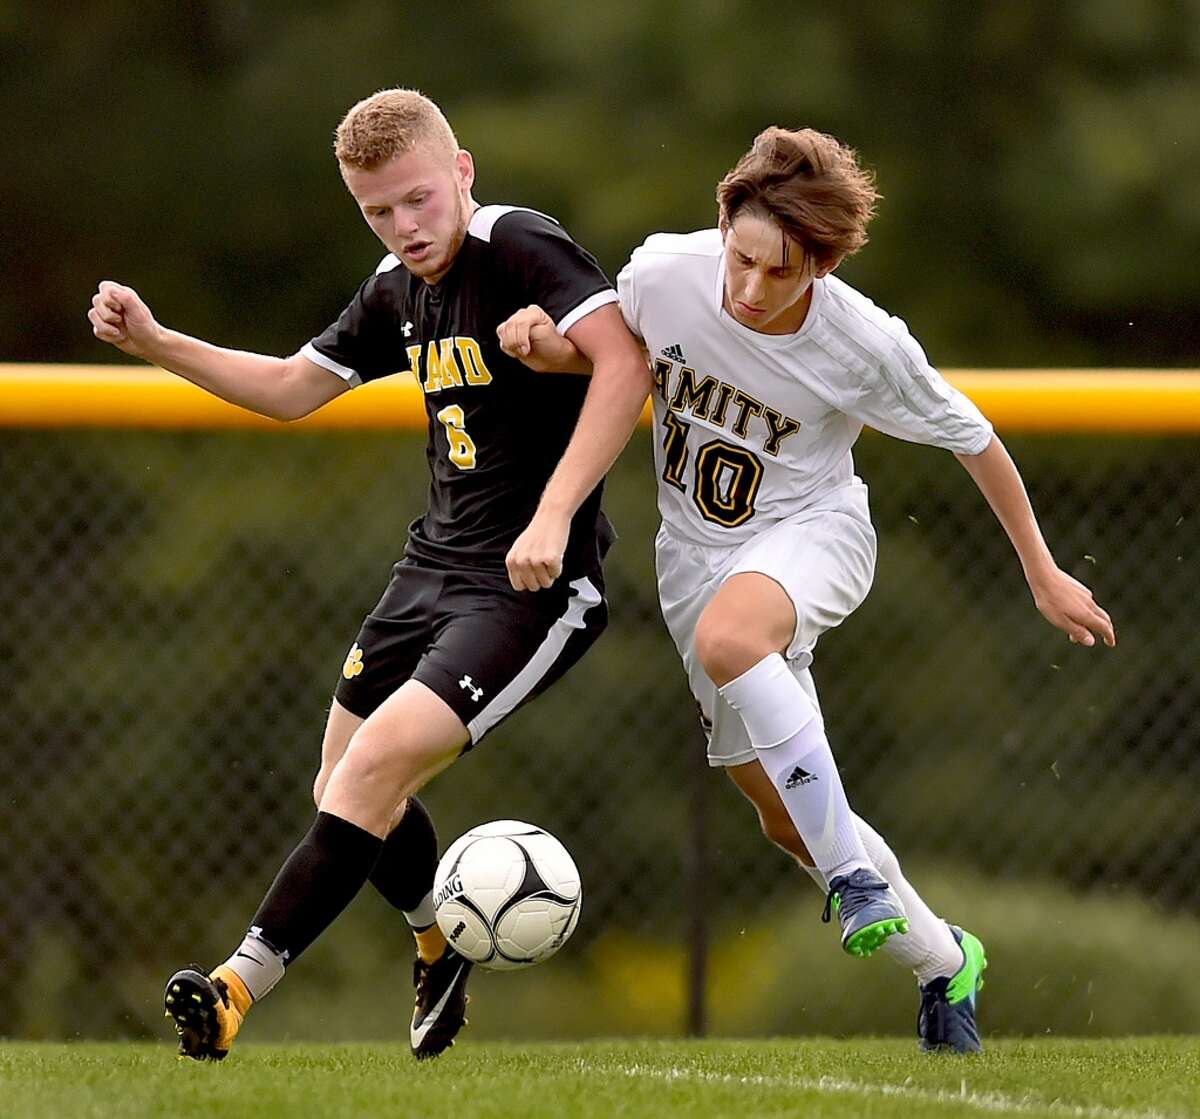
{"points": [[997, 1103]]}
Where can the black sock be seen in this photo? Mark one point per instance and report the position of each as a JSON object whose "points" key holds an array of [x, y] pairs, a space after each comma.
{"points": [[404, 871], [318, 880]]}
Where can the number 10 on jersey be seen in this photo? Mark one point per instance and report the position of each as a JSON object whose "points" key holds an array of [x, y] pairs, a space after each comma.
{"points": [[727, 477]]}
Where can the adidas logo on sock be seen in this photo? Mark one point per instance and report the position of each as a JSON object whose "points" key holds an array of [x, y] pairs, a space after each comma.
{"points": [[675, 353], [799, 776]]}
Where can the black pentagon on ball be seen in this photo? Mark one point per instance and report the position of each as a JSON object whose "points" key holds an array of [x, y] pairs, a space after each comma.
{"points": [[532, 885]]}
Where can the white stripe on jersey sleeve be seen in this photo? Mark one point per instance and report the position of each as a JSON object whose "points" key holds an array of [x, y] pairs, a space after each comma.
{"points": [[592, 303], [486, 217], [347, 374]]}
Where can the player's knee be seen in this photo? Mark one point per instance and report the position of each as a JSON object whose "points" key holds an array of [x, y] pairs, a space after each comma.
{"points": [[371, 759], [725, 651], [378, 760]]}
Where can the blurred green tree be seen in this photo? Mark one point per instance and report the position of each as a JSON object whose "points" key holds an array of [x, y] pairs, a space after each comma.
{"points": [[1039, 163]]}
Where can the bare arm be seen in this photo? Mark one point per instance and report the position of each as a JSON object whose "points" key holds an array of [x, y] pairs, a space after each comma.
{"points": [[1063, 600], [530, 336], [620, 384], [282, 388]]}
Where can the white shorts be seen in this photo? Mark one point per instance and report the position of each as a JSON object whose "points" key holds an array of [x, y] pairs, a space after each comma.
{"points": [[823, 558]]}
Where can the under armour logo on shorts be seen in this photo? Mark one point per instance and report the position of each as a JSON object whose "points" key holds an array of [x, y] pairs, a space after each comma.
{"points": [[467, 683]]}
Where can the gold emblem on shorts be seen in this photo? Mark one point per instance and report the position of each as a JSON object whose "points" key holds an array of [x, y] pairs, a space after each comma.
{"points": [[354, 662]]}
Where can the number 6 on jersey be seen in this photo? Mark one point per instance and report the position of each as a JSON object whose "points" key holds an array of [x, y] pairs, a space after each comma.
{"points": [[462, 446]]}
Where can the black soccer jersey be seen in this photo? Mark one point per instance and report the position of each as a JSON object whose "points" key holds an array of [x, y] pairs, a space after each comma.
{"points": [[496, 429]]}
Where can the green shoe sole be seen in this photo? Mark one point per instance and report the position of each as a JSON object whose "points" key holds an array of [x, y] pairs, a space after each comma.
{"points": [[870, 939]]}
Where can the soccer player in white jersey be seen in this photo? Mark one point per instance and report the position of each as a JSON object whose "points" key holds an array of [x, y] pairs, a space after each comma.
{"points": [[766, 367]]}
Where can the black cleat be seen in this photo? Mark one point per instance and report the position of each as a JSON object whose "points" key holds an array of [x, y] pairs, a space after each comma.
{"points": [[205, 1018], [441, 1006]]}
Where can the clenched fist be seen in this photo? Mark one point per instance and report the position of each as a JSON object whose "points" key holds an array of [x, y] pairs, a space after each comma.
{"points": [[530, 336], [535, 560], [120, 318]]}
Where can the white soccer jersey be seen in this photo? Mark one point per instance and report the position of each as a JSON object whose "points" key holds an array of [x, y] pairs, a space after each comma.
{"points": [[751, 428]]}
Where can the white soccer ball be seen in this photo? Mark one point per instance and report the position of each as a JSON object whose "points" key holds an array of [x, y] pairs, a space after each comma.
{"points": [[507, 895]]}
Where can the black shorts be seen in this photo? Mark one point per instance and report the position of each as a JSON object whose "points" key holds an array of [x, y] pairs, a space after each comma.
{"points": [[470, 638]]}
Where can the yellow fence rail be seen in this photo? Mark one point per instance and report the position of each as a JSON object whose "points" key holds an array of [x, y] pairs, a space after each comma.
{"points": [[1119, 400]]}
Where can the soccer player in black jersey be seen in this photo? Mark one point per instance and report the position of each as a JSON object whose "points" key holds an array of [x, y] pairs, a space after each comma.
{"points": [[458, 641]]}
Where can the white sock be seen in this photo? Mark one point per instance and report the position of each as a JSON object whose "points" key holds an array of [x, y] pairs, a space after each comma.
{"points": [[788, 736], [257, 964], [929, 949], [423, 916]]}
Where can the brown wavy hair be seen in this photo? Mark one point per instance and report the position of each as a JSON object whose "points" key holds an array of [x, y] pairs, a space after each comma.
{"points": [[810, 185], [390, 123]]}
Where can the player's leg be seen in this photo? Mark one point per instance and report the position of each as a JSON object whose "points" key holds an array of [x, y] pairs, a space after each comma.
{"points": [[409, 739], [741, 640], [404, 871], [929, 950], [779, 594], [946, 961], [208, 1012], [501, 650], [224, 1018]]}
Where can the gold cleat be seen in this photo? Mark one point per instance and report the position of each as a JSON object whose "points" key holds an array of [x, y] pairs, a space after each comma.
{"points": [[207, 1010]]}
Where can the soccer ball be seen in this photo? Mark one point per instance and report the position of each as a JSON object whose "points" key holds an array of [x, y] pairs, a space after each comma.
{"points": [[507, 895]]}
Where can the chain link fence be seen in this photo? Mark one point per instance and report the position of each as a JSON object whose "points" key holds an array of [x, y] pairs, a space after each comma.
{"points": [[174, 609]]}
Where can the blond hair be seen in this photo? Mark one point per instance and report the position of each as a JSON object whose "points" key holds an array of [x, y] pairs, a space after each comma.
{"points": [[810, 185], [389, 123]]}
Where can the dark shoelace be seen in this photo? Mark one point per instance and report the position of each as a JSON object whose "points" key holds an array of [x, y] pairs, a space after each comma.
{"points": [[837, 891], [931, 1017], [421, 972]]}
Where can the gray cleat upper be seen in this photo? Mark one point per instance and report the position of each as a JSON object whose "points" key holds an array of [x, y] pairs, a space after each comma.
{"points": [[868, 909]]}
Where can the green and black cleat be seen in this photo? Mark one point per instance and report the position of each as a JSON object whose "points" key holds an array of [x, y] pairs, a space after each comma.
{"points": [[946, 1019]]}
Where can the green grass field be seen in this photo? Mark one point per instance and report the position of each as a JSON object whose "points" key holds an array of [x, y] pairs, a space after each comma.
{"points": [[1145, 1078]]}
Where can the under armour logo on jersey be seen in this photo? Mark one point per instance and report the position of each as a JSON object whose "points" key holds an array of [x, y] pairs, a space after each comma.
{"points": [[407, 328], [468, 684], [675, 353], [799, 776]]}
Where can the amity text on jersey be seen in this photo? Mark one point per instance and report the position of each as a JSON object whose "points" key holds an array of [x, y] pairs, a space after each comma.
{"points": [[727, 475]]}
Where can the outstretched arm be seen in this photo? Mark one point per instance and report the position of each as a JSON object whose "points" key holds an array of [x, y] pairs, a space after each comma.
{"points": [[600, 343], [282, 388], [1065, 602]]}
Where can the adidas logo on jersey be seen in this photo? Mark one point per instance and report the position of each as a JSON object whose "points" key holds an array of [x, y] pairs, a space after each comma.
{"points": [[675, 353], [799, 776]]}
